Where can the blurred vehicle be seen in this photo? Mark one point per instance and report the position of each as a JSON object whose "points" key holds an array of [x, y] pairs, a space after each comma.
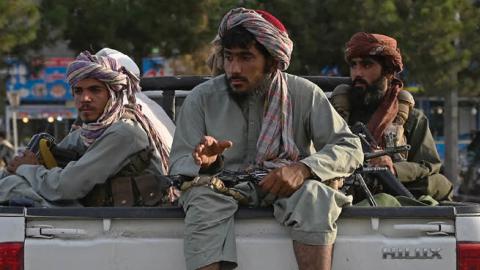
{"points": [[469, 189]]}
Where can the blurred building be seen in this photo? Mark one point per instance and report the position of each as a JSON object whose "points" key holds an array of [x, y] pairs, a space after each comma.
{"points": [[46, 102], [468, 119]]}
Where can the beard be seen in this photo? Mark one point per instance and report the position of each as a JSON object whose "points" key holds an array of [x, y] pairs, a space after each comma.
{"points": [[367, 97], [259, 88]]}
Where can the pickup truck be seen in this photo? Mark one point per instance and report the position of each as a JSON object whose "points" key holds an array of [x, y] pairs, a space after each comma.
{"points": [[395, 238]]}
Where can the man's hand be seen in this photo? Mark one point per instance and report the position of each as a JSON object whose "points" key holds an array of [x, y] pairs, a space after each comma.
{"points": [[207, 151], [173, 194], [383, 161], [28, 157], [285, 180]]}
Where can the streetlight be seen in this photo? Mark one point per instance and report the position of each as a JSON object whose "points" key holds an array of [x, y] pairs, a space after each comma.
{"points": [[14, 100]]}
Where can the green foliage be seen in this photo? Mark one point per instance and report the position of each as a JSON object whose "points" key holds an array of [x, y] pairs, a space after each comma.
{"points": [[134, 27], [18, 23], [439, 39]]}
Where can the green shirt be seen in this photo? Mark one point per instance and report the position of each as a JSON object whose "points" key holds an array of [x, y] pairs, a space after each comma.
{"points": [[423, 159], [210, 110]]}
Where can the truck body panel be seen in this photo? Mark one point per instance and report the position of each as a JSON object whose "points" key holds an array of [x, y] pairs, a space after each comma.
{"points": [[152, 238]]}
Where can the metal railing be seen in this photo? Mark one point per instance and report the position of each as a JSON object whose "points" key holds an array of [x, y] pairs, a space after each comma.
{"points": [[168, 84]]}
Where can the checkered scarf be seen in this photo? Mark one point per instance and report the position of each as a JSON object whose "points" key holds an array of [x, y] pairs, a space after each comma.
{"points": [[121, 84], [275, 145]]}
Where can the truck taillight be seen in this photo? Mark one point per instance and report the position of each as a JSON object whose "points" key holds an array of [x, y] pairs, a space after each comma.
{"points": [[468, 256], [11, 256]]}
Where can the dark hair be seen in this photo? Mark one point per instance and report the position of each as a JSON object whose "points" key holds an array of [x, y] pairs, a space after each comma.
{"points": [[386, 63], [3, 134], [238, 36]]}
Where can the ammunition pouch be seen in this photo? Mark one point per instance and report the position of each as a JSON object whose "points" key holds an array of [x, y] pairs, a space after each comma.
{"points": [[129, 187], [126, 191]]}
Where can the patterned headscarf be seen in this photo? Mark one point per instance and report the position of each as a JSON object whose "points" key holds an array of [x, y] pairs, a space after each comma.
{"points": [[275, 145], [122, 85], [365, 44]]}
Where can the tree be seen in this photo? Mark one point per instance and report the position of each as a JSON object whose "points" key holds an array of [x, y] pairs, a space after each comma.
{"points": [[18, 23], [426, 32], [134, 27], [18, 26]]}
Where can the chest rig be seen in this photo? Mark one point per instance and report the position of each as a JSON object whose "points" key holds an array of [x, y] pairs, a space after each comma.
{"points": [[131, 186], [394, 134]]}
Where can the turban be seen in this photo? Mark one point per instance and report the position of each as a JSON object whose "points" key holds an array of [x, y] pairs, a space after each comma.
{"points": [[275, 145], [122, 85], [122, 59], [365, 44], [266, 29]]}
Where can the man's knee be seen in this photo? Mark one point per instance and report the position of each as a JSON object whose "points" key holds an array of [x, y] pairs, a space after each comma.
{"points": [[312, 191], [205, 204], [436, 185], [439, 187]]}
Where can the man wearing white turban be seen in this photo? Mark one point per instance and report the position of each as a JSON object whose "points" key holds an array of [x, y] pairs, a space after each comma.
{"points": [[115, 142]]}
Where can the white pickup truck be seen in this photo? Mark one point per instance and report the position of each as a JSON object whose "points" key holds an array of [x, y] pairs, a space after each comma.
{"points": [[440, 238], [421, 237]]}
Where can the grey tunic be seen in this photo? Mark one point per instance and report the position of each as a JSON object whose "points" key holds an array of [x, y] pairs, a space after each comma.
{"points": [[64, 186], [309, 213], [210, 110]]}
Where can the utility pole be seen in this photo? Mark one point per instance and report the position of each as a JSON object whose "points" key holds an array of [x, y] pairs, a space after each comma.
{"points": [[451, 122], [14, 100], [451, 134]]}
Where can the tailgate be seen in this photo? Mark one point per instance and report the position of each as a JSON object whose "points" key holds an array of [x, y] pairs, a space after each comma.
{"points": [[142, 238], [420, 238]]}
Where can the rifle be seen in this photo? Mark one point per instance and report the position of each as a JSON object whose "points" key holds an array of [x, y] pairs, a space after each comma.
{"points": [[386, 178], [48, 153], [375, 175], [229, 178]]}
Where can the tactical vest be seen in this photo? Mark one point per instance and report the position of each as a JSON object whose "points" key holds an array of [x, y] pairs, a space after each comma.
{"points": [[131, 186], [394, 134]]}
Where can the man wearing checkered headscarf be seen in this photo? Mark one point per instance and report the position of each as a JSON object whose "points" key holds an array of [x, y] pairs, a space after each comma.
{"points": [[376, 98], [253, 115], [115, 144]]}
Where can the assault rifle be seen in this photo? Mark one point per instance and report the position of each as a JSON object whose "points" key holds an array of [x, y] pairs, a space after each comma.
{"points": [[228, 177], [231, 178], [373, 178], [381, 175], [48, 153]]}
